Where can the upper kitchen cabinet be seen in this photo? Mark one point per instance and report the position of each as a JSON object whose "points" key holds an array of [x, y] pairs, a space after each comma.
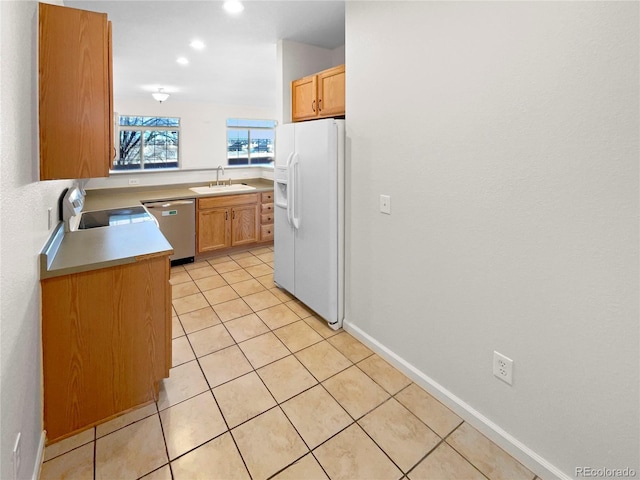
{"points": [[75, 93], [319, 96]]}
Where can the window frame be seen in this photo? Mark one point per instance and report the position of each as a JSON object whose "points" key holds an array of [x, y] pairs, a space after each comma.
{"points": [[248, 125], [142, 129]]}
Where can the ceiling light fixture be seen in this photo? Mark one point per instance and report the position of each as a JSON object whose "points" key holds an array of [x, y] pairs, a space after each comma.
{"points": [[160, 96], [183, 61], [197, 45], [233, 6]]}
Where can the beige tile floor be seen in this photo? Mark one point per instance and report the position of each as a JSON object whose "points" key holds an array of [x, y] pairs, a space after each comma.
{"points": [[261, 388]]}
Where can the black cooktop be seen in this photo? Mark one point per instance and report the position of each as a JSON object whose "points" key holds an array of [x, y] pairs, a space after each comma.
{"points": [[114, 216]]}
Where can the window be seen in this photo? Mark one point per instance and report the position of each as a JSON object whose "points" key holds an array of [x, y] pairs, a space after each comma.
{"points": [[250, 142], [147, 143]]}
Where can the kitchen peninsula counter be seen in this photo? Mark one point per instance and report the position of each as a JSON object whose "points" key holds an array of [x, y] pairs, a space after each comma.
{"points": [[85, 250], [91, 249]]}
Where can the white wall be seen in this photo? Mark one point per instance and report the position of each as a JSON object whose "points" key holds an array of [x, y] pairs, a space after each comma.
{"points": [[179, 177], [203, 140], [297, 60], [24, 229], [506, 134], [203, 126]]}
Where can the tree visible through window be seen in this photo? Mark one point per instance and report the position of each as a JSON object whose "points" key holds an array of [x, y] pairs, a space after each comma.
{"points": [[250, 141], [147, 143]]}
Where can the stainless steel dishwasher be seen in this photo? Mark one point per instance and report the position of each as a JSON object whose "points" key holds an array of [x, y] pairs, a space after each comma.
{"points": [[177, 221]]}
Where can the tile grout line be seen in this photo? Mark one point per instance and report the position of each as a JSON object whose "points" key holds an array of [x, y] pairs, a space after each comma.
{"points": [[279, 404], [224, 419], [444, 440], [166, 448], [216, 400], [95, 452]]}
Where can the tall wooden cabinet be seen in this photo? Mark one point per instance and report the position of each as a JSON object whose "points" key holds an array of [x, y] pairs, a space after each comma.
{"points": [[106, 342], [319, 96], [75, 93]]}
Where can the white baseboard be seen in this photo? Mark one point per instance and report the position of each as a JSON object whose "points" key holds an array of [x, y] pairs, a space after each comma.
{"points": [[39, 457], [491, 430]]}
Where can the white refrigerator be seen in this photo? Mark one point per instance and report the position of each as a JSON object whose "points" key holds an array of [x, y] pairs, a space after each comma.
{"points": [[309, 215]]}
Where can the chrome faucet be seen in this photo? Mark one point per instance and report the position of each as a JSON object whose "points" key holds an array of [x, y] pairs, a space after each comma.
{"points": [[220, 167]]}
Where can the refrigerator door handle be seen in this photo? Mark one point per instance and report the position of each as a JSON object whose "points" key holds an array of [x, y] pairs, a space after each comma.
{"points": [[295, 162], [289, 190]]}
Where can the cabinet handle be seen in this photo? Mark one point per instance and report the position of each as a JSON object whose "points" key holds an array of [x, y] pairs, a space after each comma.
{"points": [[320, 105], [233, 215], [226, 215], [313, 105]]}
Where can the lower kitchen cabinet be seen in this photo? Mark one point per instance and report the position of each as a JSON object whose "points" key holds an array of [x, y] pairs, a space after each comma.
{"points": [[266, 217], [244, 225], [227, 221], [214, 229], [106, 338]]}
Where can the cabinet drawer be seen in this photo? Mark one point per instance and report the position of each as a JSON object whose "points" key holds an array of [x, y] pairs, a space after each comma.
{"points": [[227, 200], [266, 232], [266, 219], [267, 208], [266, 197]]}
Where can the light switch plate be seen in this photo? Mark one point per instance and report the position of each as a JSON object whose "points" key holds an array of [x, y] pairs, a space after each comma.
{"points": [[385, 204]]}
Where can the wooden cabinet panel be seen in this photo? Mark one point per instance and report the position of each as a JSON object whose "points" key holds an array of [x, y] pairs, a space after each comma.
{"points": [[319, 96], [106, 338], [227, 200], [214, 229], [75, 93], [232, 220], [304, 98], [266, 217], [266, 233], [112, 139], [331, 92], [244, 225]]}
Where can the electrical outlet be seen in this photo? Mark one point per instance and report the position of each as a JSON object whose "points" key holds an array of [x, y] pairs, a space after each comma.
{"points": [[16, 457], [134, 181], [385, 204], [503, 367]]}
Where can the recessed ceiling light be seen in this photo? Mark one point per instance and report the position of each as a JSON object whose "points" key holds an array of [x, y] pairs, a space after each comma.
{"points": [[182, 61], [197, 45], [233, 6]]}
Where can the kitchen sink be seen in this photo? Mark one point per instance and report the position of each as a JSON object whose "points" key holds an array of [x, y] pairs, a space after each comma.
{"points": [[222, 188]]}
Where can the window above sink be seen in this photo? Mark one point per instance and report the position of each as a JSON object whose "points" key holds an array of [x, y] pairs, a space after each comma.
{"points": [[250, 142]]}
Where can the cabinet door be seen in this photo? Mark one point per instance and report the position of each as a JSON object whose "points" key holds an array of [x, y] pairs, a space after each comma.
{"points": [[244, 224], [214, 229], [331, 96], [303, 98], [112, 138], [75, 95], [106, 342]]}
